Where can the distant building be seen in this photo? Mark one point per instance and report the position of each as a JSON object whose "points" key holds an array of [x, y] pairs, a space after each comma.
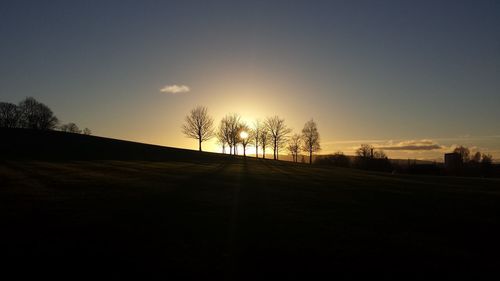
{"points": [[452, 161]]}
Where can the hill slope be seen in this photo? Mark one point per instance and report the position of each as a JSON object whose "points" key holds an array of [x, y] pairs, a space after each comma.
{"points": [[236, 218], [55, 145]]}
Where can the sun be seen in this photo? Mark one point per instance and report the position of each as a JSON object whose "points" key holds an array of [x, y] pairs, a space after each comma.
{"points": [[243, 135]]}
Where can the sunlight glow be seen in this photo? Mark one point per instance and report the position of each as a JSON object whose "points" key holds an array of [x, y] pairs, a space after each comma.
{"points": [[244, 135]]}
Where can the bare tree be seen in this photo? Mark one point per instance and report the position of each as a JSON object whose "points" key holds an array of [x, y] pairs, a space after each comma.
{"points": [[464, 153], [476, 158], [278, 132], [199, 125], [365, 151], [487, 159], [36, 115], [235, 132], [294, 145], [221, 140], [225, 132], [487, 164], [70, 128], [379, 154], [310, 136], [264, 140], [9, 115], [245, 136], [233, 123], [223, 135], [87, 131], [368, 151], [257, 128]]}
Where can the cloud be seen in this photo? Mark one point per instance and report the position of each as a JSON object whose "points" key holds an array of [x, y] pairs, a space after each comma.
{"points": [[354, 141], [413, 145], [175, 89]]}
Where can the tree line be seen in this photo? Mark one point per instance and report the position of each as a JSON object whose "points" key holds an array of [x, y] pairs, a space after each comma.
{"points": [[473, 159], [232, 133], [32, 114], [368, 157]]}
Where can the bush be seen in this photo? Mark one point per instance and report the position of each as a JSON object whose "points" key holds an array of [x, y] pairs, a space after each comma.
{"points": [[373, 164], [338, 159]]}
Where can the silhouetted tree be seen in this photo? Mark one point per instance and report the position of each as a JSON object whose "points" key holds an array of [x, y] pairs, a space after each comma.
{"points": [[487, 159], [223, 135], [9, 115], [340, 160], [225, 132], [379, 154], [310, 137], [278, 132], [370, 159], [233, 123], [199, 125], [245, 136], [87, 131], [476, 158], [264, 140], [337, 159], [368, 151], [464, 153], [487, 164], [257, 128], [365, 151], [221, 140], [36, 115], [70, 128], [294, 145]]}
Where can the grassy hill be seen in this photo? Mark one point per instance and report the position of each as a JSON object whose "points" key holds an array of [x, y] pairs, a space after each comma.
{"points": [[54, 145], [80, 207]]}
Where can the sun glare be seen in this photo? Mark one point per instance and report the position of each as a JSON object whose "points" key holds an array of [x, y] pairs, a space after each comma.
{"points": [[243, 135]]}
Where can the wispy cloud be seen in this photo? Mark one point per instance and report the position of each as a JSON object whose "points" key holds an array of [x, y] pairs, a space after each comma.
{"points": [[353, 141], [175, 89], [411, 145], [430, 148]]}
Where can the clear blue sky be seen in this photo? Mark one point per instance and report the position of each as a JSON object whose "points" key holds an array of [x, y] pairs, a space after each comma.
{"points": [[390, 73]]}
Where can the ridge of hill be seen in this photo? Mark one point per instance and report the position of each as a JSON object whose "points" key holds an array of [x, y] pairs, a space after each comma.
{"points": [[55, 145]]}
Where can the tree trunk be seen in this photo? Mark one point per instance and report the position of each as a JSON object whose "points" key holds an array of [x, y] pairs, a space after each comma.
{"points": [[264, 152], [274, 150], [244, 151], [199, 139], [310, 157]]}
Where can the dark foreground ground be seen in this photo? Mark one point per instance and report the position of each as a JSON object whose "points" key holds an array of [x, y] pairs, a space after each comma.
{"points": [[227, 218]]}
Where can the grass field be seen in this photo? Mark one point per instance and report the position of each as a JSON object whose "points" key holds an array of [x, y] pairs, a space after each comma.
{"points": [[236, 218]]}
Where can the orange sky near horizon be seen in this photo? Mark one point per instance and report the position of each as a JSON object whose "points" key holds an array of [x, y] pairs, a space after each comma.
{"points": [[374, 73]]}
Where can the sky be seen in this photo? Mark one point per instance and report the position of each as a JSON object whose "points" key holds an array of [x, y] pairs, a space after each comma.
{"points": [[415, 78]]}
